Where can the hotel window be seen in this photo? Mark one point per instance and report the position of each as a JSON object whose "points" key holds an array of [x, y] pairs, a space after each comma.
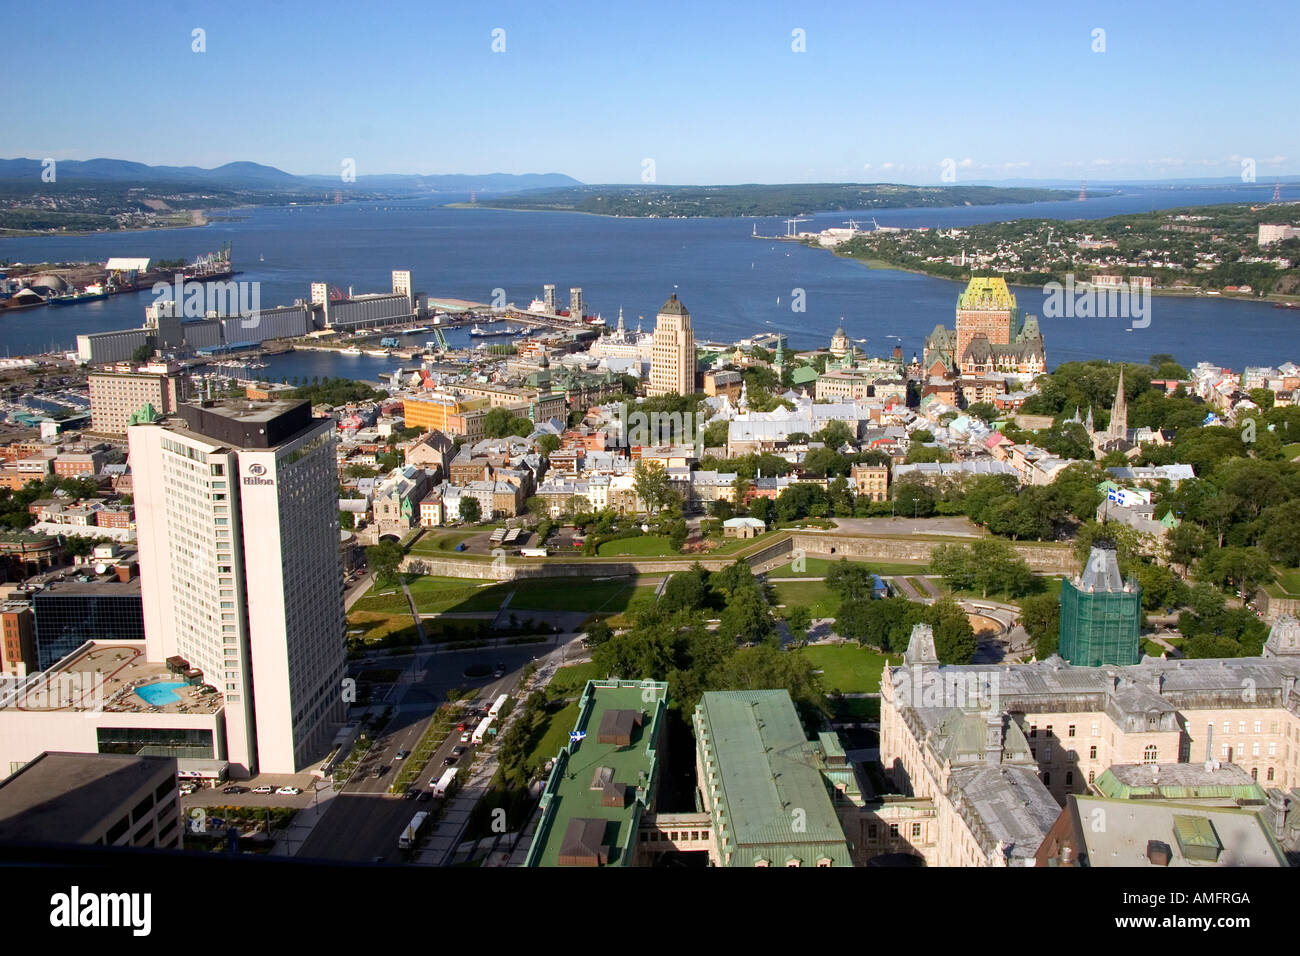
{"points": [[1272, 749], [1151, 754], [1254, 773], [1033, 730], [1241, 726], [916, 829], [1047, 779], [1223, 752], [1254, 749], [893, 831], [1048, 730], [1227, 726], [1095, 731], [1069, 778], [1071, 731], [1092, 753], [1092, 775], [1258, 726], [871, 831]]}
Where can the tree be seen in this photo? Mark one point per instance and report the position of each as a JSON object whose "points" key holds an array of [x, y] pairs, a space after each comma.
{"points": [[650, 479], [687, 591], [497, 422], [835, 434], [471, 511], [765, 667], [142, 354], [746, 618], [347, 520], [853, 583], [797, 619], [1281, 537], [548, 443], [1239, 568], [954, 638], [1040, 614], [384, 559]]}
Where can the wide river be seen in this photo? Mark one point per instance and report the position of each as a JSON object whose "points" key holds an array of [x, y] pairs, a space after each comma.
{"points": [[733, 284]]}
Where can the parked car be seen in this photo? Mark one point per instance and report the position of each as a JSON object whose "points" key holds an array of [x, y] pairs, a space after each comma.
{"points": [[448, 761], [264, 789], [289, 791], [234, 789]]}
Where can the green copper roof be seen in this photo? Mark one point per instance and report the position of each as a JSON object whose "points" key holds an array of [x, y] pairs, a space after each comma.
{"points": [[770, 802], [673, 306], [569, 794]]}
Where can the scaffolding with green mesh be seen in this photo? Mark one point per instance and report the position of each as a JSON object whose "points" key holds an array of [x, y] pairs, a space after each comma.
{"points": [[1100, 626]]}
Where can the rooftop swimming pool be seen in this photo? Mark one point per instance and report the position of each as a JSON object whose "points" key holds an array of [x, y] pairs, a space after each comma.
{"points": [[161, 693]]}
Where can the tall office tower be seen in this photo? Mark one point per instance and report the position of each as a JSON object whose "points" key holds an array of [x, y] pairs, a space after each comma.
{"points": [[402, 284], [575, 304], [672, 359], [548, 297], [986, 308], [1101, 613], [1119, 411], [239, 564]]}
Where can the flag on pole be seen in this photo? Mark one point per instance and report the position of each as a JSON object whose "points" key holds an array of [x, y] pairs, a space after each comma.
{"points": [[576, 735]]}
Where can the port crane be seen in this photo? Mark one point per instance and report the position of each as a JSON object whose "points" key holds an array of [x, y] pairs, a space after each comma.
{"points": [[790, 225]]}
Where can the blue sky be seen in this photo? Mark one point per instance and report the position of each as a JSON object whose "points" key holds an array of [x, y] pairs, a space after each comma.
{"points": [[712, 93]]}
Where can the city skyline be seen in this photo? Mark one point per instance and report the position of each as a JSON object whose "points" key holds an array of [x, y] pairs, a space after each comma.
{"points": [[582, 94]]}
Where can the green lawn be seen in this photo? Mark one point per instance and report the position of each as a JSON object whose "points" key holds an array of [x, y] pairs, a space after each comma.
{"points": [[1289, 580], [645, 546], [820, 567], [376, 626], [814, 595], [569, 681], [435, 595], [856, 708], [433, 542], [579, 594], [1047, 585], [556, 736], [1292, 450], [847, 667]]}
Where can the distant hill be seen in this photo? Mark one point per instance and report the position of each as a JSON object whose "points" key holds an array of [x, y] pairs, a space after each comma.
{"points": [[245, 175], [755, 199]]}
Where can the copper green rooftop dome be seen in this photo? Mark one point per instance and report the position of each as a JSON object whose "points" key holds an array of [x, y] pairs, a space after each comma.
{"points": [[673, 306]]}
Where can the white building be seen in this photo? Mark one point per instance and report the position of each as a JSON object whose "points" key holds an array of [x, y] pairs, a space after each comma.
{"points": [[238, 530]]}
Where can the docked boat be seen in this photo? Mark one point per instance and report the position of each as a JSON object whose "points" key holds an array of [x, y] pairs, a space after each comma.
{"points": [[353, 350], [378, 353], [479, 332], [92, 293]]}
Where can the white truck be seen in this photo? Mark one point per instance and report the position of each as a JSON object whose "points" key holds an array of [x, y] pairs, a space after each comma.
{"points": [[443, 783], [481, 730], [495, 710]]}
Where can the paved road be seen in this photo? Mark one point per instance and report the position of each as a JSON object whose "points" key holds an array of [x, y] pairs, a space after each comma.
{"points": [[363, 821]]}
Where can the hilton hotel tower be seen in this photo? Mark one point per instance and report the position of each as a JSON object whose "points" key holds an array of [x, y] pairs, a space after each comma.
{"points": [[237, 520]]}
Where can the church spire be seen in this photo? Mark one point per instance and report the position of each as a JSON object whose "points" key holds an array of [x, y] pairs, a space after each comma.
{"points": [[1119, 411]]}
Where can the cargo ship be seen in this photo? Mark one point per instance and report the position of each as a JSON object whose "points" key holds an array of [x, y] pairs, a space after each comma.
{"points": [[92, 293]]}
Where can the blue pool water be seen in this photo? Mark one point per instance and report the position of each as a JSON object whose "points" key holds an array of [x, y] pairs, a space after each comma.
{"points": [[163, 692]]}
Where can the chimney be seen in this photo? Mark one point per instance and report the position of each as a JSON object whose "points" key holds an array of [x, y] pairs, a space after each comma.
{"points": [[1277, 811], [993, 738], [1066, 856], [1158, 853]]}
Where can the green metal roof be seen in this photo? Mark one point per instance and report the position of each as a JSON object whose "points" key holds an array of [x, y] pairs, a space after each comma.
{"points": [[804, 375], [771, 802], [569, 794]]}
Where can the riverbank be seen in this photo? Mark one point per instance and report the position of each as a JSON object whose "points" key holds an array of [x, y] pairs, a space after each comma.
{"points": [[1271, 299]]}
